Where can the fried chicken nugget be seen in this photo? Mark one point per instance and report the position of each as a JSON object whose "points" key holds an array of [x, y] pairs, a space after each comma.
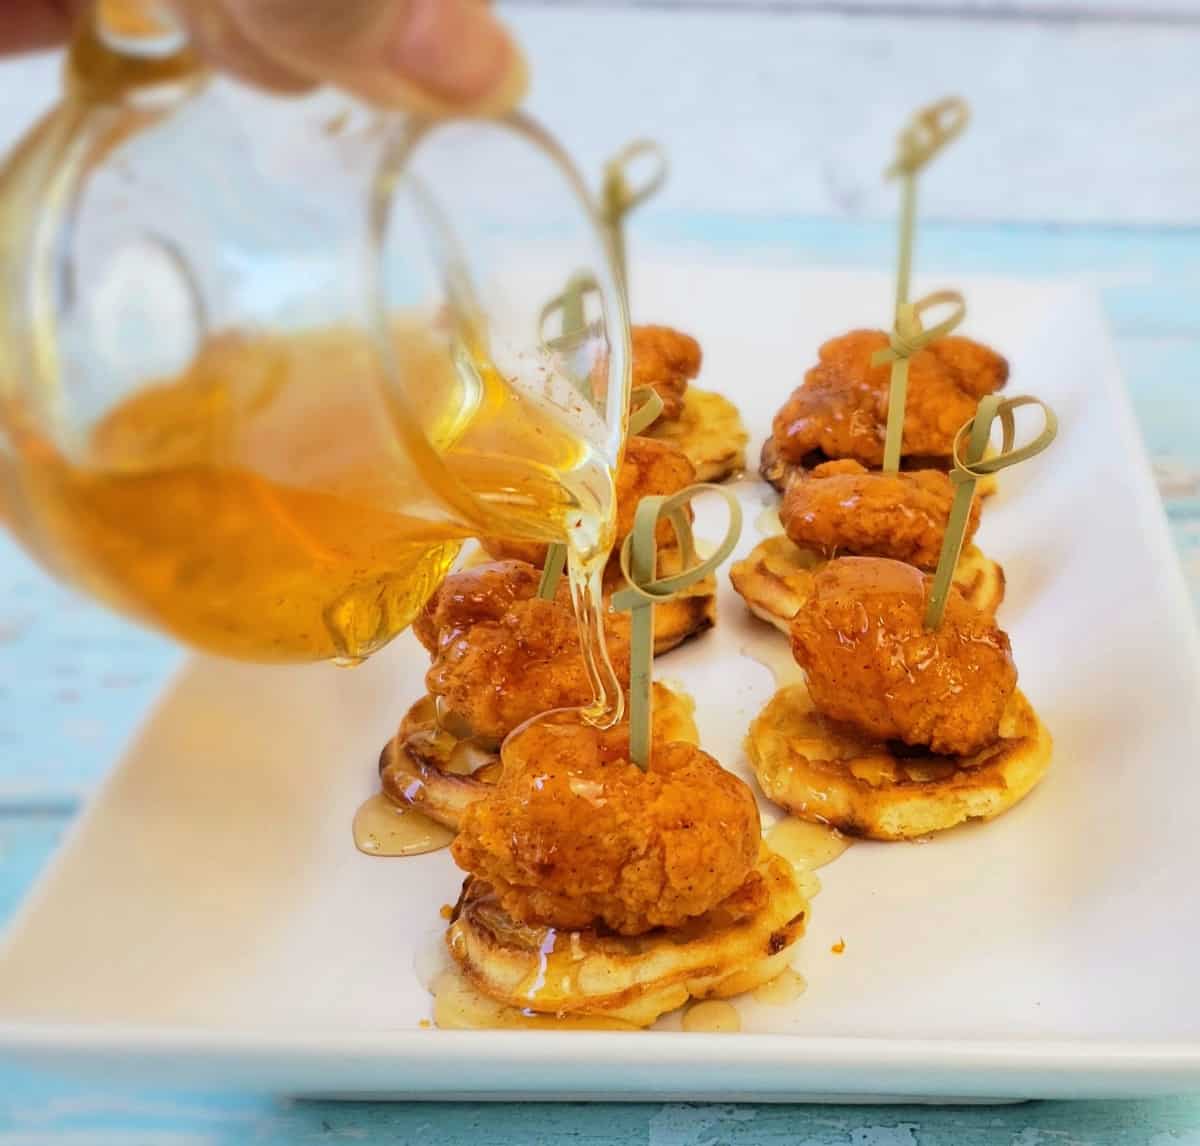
{"points": [[478, 593], [575, 835], [666, 360], [501, 671], [706, 426], [840, 409], [862, 642], [842, 507], [649, 468], [483, 590]]}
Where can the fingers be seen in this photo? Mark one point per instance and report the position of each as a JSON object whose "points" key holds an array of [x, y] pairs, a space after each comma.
{"points": [[216, 37], [26, 25], [457, 51], [430, 56], [425, 55]]}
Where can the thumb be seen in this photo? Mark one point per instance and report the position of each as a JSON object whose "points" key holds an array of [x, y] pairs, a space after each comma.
{"points": [[432, 56]]}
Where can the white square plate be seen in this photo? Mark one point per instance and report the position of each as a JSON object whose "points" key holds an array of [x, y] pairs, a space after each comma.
{"points": [[210, 919]]}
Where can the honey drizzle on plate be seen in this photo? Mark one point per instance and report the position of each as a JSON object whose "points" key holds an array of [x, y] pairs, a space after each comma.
{"points": [[775, 655], [457, 1005], [767, 521], [806, 845], [382, 828], [712, 1016], [785, 988]]}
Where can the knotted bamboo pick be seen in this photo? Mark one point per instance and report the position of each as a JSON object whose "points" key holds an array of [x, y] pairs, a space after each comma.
{"points": [[619, 195], [969, 468], [571, 305], [647, 406], [930, 129], [573, 322], [639, 564], [908, 336], [926, 133]]}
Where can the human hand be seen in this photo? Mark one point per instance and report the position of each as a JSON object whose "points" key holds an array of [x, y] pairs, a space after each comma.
{"points": [[425, 55]]}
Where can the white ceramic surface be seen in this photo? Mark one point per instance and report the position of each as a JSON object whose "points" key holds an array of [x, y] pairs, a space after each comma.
{"points": [[210, 920]]}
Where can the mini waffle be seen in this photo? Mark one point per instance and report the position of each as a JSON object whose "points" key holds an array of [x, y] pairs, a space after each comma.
{"points": [[588, 978], [709, 431], [827, 772]]}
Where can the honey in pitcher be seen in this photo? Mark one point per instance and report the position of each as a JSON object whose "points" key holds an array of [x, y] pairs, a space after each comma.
{"points": [[274, 503]]}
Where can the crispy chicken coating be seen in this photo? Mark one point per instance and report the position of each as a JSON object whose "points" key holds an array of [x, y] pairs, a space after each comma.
{"points": [[841, 407], [482, 593], [666, 360], [649, 467], [513, 660], [842, 507], [861, 640], [575, 836]]}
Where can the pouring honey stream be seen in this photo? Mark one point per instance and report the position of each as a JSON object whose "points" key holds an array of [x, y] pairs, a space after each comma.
{"points": [[263, 487]]}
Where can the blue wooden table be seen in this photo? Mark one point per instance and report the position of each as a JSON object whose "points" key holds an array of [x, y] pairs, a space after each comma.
{"points": [[74, 681]]}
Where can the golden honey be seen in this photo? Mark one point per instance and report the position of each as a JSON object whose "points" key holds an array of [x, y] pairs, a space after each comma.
{"points": [[267, 504]]}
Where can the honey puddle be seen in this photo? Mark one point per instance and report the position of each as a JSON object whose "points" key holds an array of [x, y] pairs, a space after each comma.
{"points": [[714, 1016], [808, 846], [783, 989], [457, 1006], [775, 655], [431, 959], [767, 522], [382, 828]]}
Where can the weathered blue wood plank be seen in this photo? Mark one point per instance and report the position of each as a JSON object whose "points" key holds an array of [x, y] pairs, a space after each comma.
{"points": [[27, 840], [49, 1112], [1149, 277], [769, 110], [75, 680], [1164, 378]]}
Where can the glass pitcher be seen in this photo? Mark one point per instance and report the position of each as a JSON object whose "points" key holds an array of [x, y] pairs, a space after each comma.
{"points": [[265, 362]]}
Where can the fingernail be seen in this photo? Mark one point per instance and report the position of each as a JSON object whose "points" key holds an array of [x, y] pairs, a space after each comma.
{"points": [[455, 49]]}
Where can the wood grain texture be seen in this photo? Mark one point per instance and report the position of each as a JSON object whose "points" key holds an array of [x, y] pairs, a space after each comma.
{"points": [[75, 681], [34, 1110], [778, 111], [27, 839]]}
